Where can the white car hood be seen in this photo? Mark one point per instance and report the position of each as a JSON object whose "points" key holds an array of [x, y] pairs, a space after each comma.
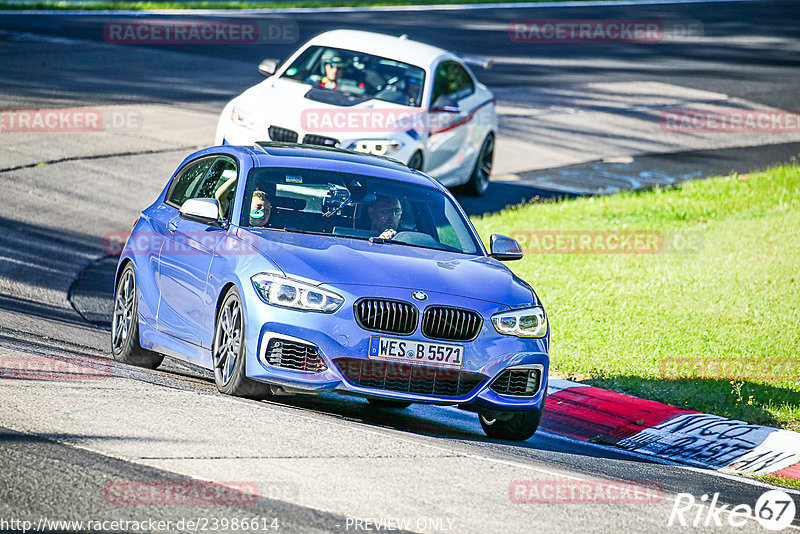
{"points": [[281, 102]]}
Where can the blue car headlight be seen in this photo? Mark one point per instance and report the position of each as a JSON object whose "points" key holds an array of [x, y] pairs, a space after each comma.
{"points": [[528, 322], [278, 290]]}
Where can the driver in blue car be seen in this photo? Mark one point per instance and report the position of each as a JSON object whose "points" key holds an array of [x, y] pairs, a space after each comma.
{"points": [[384, 216]]}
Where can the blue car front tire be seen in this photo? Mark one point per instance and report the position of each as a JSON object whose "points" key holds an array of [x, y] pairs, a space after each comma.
{"points": [[228, 351], [513, 427], [125, 347]]}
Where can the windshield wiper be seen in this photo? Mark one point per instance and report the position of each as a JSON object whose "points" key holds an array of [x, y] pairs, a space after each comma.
{"points": [[288, 230], [444, 248]]}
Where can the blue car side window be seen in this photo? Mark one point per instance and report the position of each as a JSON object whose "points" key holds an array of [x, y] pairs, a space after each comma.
{"points": [[212, 177], [220, 183], [187, 182]]}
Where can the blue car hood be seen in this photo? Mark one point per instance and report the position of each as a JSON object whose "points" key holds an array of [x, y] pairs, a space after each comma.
{"points": [[338, 261]]}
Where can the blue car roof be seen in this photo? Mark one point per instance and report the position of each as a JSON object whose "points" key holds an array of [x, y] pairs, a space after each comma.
{"points": [[332, 159]]}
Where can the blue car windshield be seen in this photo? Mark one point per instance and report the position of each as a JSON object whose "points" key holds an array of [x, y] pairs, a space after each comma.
{"points": [[350, 206]]}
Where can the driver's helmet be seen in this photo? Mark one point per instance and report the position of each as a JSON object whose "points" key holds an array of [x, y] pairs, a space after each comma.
{"points": [[332, 58]]}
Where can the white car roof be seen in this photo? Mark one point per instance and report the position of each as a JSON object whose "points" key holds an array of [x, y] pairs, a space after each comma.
{"points": [[388, 46]]}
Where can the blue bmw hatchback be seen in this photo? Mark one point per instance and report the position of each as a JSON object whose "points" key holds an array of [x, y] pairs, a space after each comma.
{"points": [[287, 267]]}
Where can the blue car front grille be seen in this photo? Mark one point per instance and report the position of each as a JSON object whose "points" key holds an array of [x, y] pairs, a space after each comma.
{"points": [[387, 316], [451, 324], [409, 378], [296, 356]]}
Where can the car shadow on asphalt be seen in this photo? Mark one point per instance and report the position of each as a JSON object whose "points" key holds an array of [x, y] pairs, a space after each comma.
{"points": [[444, 422], [40, 259], [40, 310]]}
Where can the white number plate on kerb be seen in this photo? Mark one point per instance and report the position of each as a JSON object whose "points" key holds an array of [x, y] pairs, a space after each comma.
{"points": [[416, 352]]}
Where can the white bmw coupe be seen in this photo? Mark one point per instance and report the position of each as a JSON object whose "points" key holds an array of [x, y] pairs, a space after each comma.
{"points": [[369, 92]]}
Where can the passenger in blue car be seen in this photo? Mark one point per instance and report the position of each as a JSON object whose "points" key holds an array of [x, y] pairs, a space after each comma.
{"points": [[260, 209], [384, 215]]}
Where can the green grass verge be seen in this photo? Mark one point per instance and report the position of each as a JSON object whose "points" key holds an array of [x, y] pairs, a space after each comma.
{"points": [[713, 326], [91, 5], [779, 481]]}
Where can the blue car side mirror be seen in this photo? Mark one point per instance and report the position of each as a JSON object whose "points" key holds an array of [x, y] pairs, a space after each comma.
{"points": [[504, 248], [202, 210]]}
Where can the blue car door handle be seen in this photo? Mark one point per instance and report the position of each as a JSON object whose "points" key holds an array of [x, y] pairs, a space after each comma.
{"points": [[172, 227]]}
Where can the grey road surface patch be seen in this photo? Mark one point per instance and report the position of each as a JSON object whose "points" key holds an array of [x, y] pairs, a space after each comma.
{"points": [[29, 458], [354, 470]]}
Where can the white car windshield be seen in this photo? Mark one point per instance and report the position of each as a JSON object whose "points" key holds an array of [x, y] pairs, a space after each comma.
{"points": [[358, 74], [313, 201]]}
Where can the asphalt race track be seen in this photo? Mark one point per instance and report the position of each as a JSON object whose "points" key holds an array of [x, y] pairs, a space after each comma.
{"points": [[331, 464]]}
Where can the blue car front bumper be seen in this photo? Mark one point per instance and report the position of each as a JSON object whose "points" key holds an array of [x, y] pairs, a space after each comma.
{"points": [[343, 346]]}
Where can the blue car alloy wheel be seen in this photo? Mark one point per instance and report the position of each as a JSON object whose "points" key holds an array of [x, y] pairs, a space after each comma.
{"points": [[125, 345], [228, 350], [283, 267]]}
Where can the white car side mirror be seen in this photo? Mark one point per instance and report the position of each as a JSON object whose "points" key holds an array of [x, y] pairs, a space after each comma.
{"points": [[268, 66]]}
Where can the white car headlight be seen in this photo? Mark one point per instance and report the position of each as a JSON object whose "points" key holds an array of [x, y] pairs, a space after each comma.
{"points": [[242, 118], [377, 147], [529, 322], [281, 291]]}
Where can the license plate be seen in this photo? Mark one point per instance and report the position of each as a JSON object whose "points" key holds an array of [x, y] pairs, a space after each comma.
{"points": [[416, 352]]}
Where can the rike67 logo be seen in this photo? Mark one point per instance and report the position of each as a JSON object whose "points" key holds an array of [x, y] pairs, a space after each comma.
{"points": [[774, 510]]}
